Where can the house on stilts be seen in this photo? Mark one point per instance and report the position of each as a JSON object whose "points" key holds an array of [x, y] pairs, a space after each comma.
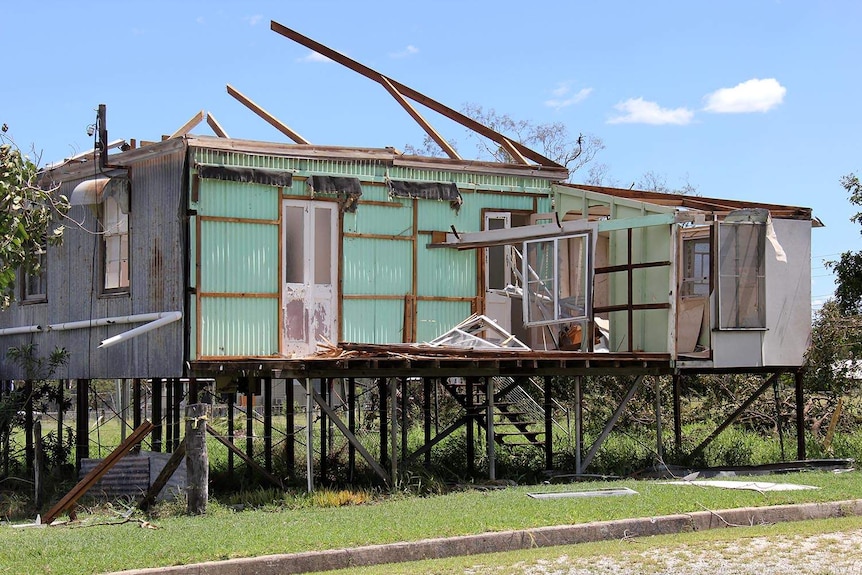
{"points": [[245, 266]]}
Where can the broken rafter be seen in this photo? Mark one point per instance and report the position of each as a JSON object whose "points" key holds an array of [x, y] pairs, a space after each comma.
{"points": [[216, 127], [444, 145], [272, 120], [187, 127], [414, 95]]}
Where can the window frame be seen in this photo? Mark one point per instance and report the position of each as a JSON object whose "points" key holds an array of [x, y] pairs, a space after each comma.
{"points": [[28, 297], [586, 268], [735, 278], [108, 237]]}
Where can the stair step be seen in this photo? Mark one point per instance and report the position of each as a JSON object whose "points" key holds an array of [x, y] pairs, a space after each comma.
{"points": [[525, 444]]}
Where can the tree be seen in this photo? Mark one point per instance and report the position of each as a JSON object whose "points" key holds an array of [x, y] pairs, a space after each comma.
{"points": [[848, 269], [27, 213]]}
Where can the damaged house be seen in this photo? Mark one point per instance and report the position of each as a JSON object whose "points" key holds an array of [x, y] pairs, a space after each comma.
{"points": [[236, 264]]}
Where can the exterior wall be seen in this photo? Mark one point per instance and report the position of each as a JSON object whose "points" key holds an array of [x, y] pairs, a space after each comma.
{"points": [[788, 307], [156, 284], [385, 267]]}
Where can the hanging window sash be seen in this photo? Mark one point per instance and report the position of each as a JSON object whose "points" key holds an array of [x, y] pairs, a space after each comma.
{"points": [[556, 275]]}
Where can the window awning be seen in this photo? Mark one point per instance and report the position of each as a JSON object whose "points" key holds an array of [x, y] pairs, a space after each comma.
{"points": [[94, 192]]}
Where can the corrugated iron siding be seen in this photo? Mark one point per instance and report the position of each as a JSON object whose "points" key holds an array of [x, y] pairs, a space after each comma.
{"points": [[243, 327], [156, 247], [377, 269], [239, 257]]}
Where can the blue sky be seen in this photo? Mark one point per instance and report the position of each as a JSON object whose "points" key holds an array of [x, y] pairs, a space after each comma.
{"points": [[747, 99]]}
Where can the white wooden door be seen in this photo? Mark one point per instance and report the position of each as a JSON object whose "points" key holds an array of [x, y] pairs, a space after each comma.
{"points": [[498, 273], [309, 270]]}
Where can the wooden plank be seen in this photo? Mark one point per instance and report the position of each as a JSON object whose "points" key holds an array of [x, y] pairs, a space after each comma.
{"points": [[194, 121], [270, 119], [91, 478], [215, 126], [164, 476], [444, 145]]}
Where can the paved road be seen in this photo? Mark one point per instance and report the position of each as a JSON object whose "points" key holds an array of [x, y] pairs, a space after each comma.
{"points": [[827, 553]]}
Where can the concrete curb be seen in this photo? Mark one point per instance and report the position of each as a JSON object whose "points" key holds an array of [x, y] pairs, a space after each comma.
{"points": [[509, 540]]}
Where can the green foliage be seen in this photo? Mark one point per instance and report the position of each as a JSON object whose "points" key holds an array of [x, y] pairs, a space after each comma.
{"points": [[27, 212], [835, 338], [848, 269]]}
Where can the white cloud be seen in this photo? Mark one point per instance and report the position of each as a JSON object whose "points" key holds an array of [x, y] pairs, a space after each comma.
{"points": [[754, 95], [639, 111], [253, 20], [560, 99], [408, 51], [313, 57]]}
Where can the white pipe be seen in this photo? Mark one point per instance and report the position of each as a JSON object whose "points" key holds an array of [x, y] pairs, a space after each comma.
{"points": [[118, 320], [167, 317]]}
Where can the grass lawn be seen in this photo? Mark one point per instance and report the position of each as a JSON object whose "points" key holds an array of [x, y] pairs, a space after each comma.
{"points": [[283, 528]]}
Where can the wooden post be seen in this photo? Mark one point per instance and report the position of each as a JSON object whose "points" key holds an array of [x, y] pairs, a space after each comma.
{"points": [[249, 423], [169, 416], [29, 452], [405, 394], [157, 414], [194, 390], [197, 460], [489, 428], [178, 398], [61, 387], [136, 400], [659, 443], [38, 463], [82, 422], [309, 434], [471, 423], [324, 440], [351, 426], [677, 412], [426, 417], [799, 377], [393, 428], [267, 424], [290, 429], [549, 424], [231, 400], [579, 436], [384, 423]]}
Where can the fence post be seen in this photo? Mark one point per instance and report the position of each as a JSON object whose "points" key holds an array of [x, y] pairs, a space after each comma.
{"points": [[197, 460]]}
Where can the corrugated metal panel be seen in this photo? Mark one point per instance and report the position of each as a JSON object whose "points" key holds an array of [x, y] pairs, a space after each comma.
{"points": [[394, 221], [239, 326], [373, 321], [437, 317], [377, 267], [238, 200], [446, 272], [239, 257]]}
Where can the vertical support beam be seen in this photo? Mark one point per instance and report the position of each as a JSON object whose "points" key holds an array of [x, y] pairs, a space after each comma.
{"points": [[351, 426], [659, 449], [579, 434], [677, 412], [471, 424], [426, 417], [61, 391], [290, 427], [404, 395], [29, 449], [169, 416], [549, 424], [489, 428], [157, 414], [197, 459], [231, 401], [393, 427], [136, 403], [383, 393], [249, 422], [123, 394], [324, 436], [178, 398], [38, 464], [631, 292], [194, 390], [799, 378], [309, 434], [82, 422], [267, 424]]}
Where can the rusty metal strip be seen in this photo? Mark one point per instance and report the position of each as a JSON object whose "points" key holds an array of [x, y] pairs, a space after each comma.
{"points": [[100, 470]]}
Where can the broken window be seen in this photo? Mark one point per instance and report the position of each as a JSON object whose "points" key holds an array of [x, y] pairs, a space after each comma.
{"points": [[556, 274], [741, 275], [695, 267]]}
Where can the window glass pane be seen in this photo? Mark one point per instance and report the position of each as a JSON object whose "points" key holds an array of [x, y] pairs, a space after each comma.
{"points": [[115, 244], [294, 239], [323, 255], [741, 275], [571, 256], [540, 281], [497, 258]]}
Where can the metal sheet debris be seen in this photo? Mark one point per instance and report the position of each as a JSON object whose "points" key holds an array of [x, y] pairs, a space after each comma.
{"points": [[760, 486], [608, 492]]}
